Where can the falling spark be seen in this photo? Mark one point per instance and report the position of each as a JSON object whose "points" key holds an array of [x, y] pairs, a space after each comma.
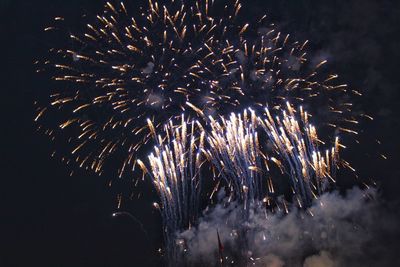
{"points": [[121, 71], [244, 162], [175, 171]]}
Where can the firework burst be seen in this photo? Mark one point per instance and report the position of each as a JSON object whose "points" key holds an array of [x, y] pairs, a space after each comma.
{"points": [[170, 57], [127, 77], [123, 70], [290, 142], [247, 153], [175, 171]]}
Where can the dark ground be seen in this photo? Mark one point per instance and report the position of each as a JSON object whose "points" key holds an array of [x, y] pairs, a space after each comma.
{"points": [[48, 218]]}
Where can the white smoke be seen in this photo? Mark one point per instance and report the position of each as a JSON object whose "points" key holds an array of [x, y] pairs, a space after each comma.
{"points": [[321, 260], [241, 57], [272, 261], [149, 68], [342, 231]]}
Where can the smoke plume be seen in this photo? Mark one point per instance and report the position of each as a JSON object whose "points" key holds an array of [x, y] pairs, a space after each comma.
{"points": [[338, 230]]}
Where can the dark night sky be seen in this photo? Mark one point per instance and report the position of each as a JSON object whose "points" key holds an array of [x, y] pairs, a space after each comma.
{"points": [[48, 218]]}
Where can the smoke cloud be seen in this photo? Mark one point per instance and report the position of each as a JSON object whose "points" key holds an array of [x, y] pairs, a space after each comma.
{"points": [[338, 230]]}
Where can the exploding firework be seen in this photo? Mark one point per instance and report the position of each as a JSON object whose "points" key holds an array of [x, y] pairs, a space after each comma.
{"points": [[127, 77], [296, 143], [172, 56], [175, 171], [235, 153], [242, 151], [271, 69], [291, 144], [125, 70]]}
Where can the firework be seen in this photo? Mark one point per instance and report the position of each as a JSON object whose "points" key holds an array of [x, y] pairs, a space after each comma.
{"points": [[175, 171], [129, 76], [242, 150], [122, 70], [235, 153], [271, 69], [296, 143], [291, 144], [171, 57]]}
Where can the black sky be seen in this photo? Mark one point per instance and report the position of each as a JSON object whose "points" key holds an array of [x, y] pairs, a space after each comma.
{"points": [[48, 218]]}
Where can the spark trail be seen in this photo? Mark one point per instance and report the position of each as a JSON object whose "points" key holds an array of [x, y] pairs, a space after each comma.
{"points": [[167, 57], [242, 150], [126, 77], [122, 70], [175, 171], [290, 143]]}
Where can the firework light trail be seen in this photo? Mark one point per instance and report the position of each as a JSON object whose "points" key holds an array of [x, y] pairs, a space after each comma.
{"points": [[125, 67], [236, 153], [126, 78], [175, 170], [297, 143], [232, 148], [126, 70]]}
